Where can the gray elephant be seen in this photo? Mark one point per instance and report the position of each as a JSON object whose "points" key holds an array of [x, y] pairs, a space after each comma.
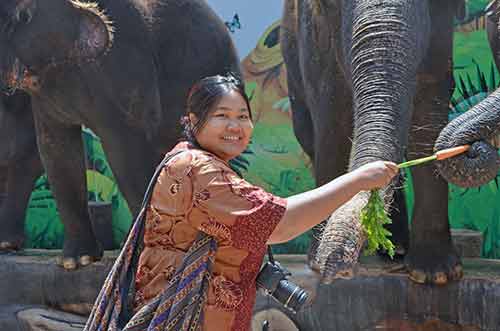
{"points": [[478, 127], [19, 166], [124, 74], [371, 80]]}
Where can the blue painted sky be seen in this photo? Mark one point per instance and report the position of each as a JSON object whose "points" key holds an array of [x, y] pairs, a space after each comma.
{"points": [[255, 17]]}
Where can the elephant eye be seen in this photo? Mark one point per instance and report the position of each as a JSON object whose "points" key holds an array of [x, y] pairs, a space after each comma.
{"points": [[25, 17]]}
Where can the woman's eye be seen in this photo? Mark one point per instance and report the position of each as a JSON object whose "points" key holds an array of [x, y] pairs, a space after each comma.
{"points": [[220, 115], [244, 117]]}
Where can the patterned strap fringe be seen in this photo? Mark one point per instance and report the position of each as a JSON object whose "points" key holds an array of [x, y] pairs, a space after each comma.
{"points": [[178, 307]]}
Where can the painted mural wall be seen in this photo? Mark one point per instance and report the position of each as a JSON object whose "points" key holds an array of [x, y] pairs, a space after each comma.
{"points": [[276, 161]]}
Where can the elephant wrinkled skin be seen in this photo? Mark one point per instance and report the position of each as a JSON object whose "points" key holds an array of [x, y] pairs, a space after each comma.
{"points": [[121, 68], [479, 127], [371, 80], [19, 166]]}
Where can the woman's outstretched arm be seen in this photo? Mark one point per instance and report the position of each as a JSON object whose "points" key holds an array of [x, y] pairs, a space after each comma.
{"points": [[308, 209]]}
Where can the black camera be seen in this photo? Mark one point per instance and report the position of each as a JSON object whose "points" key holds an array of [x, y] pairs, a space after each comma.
{"points": [[272, 278]]}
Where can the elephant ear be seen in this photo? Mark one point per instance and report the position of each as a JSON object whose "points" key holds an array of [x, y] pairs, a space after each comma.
{"points": [[95, 34], [461, 10]]}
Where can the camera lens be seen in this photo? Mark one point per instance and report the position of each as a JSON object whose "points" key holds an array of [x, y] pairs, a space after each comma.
{"points": [[290, 295]]}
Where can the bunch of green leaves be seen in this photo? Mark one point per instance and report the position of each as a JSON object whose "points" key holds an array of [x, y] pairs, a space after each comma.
{"points": [[373, 218]]}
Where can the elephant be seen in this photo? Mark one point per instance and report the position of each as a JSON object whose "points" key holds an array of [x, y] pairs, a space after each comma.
{"points": [[20, 165], [371, 80], [478, 127], [122, 69]]}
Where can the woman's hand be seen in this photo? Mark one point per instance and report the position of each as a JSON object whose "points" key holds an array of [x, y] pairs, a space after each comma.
{"points": [[375, 175], [305, 210]]}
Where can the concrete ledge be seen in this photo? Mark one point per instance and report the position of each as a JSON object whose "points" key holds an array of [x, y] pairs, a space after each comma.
{"points": [[32, 277], [380, 300], [467, 242], [374, 300]]}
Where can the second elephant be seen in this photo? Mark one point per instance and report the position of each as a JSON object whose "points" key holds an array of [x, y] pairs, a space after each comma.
{"points": [[371, 80]]}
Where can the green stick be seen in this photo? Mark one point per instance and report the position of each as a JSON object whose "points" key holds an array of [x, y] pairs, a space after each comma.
{"points": [[412, 163]]}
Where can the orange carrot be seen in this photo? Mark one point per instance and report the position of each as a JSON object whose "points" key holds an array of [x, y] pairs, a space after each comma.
{"points": [[450, 152]]}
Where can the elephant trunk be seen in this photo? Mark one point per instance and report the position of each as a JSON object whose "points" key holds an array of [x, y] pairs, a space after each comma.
{"points": [[388, 41], [482, 162]]}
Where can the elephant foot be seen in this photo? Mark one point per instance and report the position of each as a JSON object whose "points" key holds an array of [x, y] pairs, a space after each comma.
{"points": [[431, 264], [71, 263], [79, 253]]}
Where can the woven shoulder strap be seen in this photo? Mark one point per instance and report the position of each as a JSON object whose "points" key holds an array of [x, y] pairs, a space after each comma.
{"points": [[178, 307]]}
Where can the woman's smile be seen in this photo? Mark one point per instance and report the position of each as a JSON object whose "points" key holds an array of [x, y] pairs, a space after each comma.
{"points": [[231, 138]]}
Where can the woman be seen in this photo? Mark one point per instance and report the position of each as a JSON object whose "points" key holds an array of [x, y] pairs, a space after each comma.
{"points": [[198, 192]]}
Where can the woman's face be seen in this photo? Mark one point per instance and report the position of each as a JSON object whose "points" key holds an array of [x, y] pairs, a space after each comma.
{"points": [[228, 128]]}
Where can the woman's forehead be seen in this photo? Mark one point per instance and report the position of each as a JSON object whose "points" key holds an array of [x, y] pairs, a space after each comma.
{"points": [[232, 101]]}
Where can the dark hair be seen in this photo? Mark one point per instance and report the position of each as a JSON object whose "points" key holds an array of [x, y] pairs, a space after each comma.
{"points": [[202, 98]]}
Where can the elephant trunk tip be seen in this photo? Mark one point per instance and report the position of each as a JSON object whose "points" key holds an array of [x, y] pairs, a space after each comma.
{"points": [[478, 166], [342, 241]]}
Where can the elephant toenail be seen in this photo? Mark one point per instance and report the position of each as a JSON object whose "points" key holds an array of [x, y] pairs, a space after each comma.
{"points": [[440, 278], [458, 272], [59, 261], [345, 274], [4, 245], [85, 260], [69, 263]]}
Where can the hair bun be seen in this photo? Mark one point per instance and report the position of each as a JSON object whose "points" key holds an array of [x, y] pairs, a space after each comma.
{"points": [[232, 78]]}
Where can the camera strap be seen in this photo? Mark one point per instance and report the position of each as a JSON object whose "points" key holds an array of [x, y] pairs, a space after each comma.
{"points": [[270, 254], [265, 324]]}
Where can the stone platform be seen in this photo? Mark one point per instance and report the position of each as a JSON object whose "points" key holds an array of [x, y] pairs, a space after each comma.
{"points": [[379, 299], [35, 293]]}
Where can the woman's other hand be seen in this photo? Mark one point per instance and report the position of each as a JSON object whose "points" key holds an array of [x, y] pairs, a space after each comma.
{"points": [[375, 174]]}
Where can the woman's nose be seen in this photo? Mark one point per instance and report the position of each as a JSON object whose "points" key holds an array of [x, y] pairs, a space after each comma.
{"points": [[233, 125]]}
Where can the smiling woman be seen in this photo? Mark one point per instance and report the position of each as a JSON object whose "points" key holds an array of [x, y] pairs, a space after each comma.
{"points": [[219, 118]]}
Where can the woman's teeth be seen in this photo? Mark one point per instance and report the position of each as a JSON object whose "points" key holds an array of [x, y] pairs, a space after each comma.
{"points": [[231, 138]]}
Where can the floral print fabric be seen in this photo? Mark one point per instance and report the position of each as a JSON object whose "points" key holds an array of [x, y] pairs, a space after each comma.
{"points": [[197, 191]]}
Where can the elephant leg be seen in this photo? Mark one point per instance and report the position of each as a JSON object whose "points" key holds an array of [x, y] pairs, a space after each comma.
{"points": [[333, 132], [301, 120], [301, 115], [132, 166], [62, 153], [432, 257], [324, 137], [18, 180], [332, 144]]}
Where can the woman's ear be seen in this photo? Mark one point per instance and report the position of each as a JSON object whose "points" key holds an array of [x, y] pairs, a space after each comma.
{"points": [[193, 119]]}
